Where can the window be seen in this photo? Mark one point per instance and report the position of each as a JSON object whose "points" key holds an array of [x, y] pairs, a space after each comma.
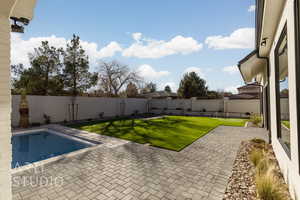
{"points": [[297, 44], [282, 91]]}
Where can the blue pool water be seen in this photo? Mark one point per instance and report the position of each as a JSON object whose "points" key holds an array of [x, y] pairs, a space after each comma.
{"points": [[29, 148]]}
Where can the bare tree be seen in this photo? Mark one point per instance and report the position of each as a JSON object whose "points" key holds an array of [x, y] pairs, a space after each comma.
{"points": [[114, 76]]}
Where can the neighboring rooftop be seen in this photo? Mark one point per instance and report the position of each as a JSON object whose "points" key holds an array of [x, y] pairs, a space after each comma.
{"points": [[159, 94], [249, 91]]}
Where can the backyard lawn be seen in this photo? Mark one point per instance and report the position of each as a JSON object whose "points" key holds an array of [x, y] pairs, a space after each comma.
{"points": [[172, 132]]}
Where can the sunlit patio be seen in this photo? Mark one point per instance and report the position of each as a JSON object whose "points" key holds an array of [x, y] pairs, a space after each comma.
{"points": [[119, 169]]}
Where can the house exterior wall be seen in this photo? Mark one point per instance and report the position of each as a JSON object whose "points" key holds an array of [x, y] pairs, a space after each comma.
{"points": [[289, 166], [5, 108]]}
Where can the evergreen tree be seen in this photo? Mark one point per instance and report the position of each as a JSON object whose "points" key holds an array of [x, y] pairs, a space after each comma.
{"points": [[77, 77], [44, 75], [192, 86], [168, 89]]}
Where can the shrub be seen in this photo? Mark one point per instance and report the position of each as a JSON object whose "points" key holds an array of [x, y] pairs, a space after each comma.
{"points": [[262, 167], [268, 187], [35, 124], [47, 119], [256, 156], [258, 141], [256, 119], [101, 115]]}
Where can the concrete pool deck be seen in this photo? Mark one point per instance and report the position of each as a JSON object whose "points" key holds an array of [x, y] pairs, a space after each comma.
{"points": [[124, 170]]}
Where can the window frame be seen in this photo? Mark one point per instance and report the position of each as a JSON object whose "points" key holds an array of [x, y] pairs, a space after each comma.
{"points": [[277, 86], [297, 66]]}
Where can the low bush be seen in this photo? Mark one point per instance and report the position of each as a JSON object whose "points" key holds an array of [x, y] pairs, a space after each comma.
{"points": [[47, 119], [256, 119], [258, 141], [256, 156], [262, 167], [268, 187], [101, 115], [36, 124]]}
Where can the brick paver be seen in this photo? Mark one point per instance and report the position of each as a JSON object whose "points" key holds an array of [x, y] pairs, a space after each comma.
{"points": [[122, 170]]}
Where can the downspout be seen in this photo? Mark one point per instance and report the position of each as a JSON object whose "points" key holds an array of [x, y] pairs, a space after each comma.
{"points": [[268, 94]]}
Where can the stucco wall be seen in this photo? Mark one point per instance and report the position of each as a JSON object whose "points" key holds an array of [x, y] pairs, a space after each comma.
{"points": [[59, 107], [243, 106], [289, 166], [5, 103], [209, 105]]}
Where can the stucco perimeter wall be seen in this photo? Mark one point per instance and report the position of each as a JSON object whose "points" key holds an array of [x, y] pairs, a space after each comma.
{"points": [[59, 107], [242, 106], [209, 105]]}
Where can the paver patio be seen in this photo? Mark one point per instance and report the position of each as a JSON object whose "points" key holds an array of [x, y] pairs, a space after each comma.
{"points": [[124, 170]]}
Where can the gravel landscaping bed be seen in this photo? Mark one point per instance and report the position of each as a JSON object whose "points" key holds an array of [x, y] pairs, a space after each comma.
{"points": [[241, 184]]}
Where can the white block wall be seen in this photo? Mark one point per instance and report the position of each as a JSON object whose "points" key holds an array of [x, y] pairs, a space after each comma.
{"points": [[59, 107], [210, 105], [242, 106]]}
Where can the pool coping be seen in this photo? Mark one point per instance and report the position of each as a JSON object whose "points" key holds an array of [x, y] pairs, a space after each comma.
{"points": [[52, 160]]}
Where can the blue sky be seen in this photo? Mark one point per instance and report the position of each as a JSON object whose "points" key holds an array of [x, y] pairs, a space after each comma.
{"points": [[161, 39]]}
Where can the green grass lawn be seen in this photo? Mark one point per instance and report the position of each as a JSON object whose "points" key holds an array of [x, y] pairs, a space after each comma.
{"points": [[286, 123], [173, 132]]}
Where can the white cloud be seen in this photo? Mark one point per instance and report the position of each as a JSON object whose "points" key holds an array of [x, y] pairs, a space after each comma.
{"points": [[198, 70], [150, 48], [148, 72], [242, 38], [137, 36], [231, 69], [20, 48], [251, 8]]}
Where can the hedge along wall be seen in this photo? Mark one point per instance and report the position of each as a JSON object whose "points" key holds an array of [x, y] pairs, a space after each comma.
{"points": [[59, 107]]}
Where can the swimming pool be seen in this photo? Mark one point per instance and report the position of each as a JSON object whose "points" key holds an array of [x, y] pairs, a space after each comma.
{"points": [[33, 146]]}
